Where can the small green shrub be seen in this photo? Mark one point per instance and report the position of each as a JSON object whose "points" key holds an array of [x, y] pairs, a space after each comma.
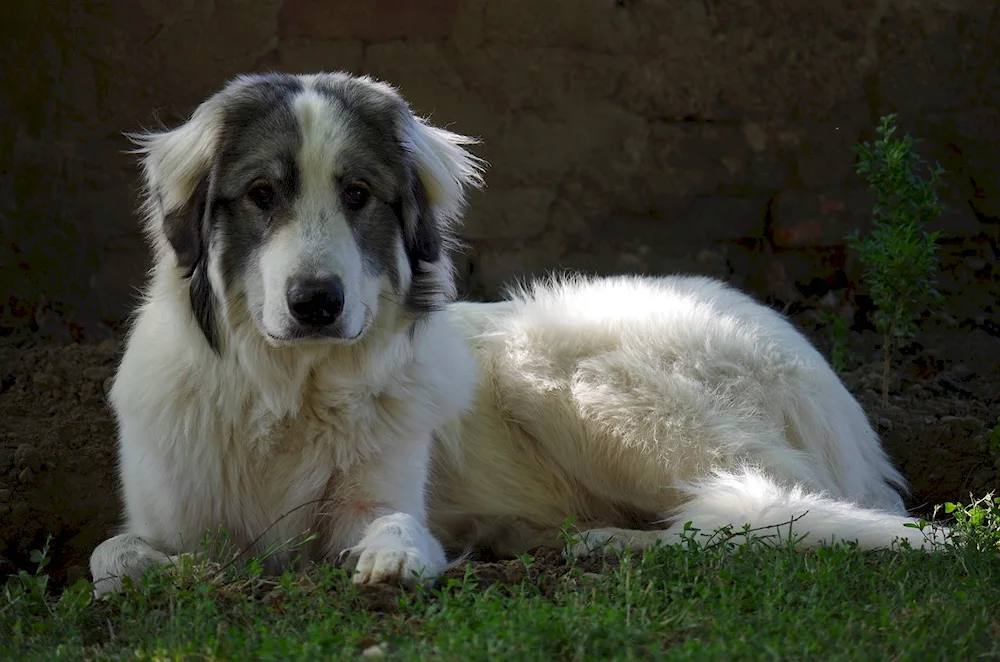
{"points": [[977, 524], [993, 438], [837, 328], [898, 257]]}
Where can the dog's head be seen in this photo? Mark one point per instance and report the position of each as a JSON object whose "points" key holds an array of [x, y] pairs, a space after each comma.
{"points": [[305, 202]]}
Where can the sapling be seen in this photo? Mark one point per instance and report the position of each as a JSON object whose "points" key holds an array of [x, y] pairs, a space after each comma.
{"points": [[837, 328], [898, 257]]}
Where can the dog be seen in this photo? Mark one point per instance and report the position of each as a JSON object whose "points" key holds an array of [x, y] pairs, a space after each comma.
{"points": [[299, 363]]}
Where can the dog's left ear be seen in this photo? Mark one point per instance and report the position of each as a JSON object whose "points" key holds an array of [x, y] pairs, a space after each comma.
{"points": [[441, 172]]}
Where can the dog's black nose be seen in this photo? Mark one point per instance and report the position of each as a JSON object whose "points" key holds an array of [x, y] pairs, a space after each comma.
{"points": [[316, 302]]}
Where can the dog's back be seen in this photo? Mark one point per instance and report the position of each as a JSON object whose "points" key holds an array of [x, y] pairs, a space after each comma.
{"points": [[603, 398]]}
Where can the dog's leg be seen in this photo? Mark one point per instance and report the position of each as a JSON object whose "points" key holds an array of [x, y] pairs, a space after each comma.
{"points": [[384, 510], [124, 555], [721, 505], [612, 540]]}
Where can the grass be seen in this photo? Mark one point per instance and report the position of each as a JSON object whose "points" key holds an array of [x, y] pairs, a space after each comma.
{"points": [[760, 601]]}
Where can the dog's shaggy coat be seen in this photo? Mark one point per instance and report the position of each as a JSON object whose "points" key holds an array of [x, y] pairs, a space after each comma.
{"points": [[298, 365]]}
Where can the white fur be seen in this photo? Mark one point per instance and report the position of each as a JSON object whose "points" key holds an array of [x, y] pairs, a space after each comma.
{"points": [[677, 397], [673, 398]]}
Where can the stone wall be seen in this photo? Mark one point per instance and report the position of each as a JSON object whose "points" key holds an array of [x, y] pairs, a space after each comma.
{"points": [[624, 135]]}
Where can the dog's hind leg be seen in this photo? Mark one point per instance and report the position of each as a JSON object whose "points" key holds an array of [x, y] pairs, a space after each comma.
{"points": [[124, 555], [612, 540], [721, 506]]}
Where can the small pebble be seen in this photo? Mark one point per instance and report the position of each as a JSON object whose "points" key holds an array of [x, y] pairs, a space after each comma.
{"points": [[96, 373], [969, 424], [591, 576], [20, 512], [885, 423], [45, 380], [375, 652], [975, 263], [27, 456], [5, 495], [26, 475], [109, 346]]}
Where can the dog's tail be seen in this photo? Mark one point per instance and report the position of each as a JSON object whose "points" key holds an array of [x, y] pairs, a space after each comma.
{"points": [[748, 497]]}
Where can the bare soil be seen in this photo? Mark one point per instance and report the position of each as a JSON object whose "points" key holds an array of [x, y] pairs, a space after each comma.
{"points": [[57, 437]]}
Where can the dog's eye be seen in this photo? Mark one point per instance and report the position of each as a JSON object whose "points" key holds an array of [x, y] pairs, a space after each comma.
{"points": [[355, 196], [262, 194]]}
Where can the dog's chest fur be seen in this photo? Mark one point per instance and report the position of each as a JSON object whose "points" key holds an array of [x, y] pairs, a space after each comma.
{"points": [[323, 409], [243, 441], [294, 442]]}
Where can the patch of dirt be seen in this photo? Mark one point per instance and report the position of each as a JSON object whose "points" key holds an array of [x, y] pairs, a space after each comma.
{"points": [[57, 437], [545, 569], [940, 411], [57, 454]]}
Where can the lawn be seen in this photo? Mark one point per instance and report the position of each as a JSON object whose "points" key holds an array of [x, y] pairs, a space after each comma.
{"points": [[758, 601]]}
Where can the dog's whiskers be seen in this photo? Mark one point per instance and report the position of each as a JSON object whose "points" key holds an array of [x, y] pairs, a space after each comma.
{"points": [[386, 297]]}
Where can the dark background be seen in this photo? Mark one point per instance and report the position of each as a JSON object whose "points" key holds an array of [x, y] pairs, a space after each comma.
{"points": [[703, 135], [710, 136]]}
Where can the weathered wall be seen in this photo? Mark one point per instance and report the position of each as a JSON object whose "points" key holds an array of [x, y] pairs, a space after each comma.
{"points": [[710, 135]]}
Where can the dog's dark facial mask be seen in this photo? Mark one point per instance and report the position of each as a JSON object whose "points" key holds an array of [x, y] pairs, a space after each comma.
{"points": [[187, 231], [210, 228]]}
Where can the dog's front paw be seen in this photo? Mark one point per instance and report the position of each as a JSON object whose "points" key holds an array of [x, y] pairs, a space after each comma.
{"points": [[385, 565], [396, 549], [125, 555]]}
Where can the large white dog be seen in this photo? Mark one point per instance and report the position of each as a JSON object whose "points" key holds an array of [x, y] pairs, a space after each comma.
{"points": [[298, 364]]}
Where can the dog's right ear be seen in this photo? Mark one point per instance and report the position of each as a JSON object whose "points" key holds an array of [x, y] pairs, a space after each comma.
{"points": [[176, 165], [184, 229]]}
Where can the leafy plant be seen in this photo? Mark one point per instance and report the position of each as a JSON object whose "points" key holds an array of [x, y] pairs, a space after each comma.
{"points": [[837, 328], [977, 524], [899, 258], [993, 438]]}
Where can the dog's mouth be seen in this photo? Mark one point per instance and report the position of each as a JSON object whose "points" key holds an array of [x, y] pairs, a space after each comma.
{"points": [[312, 336]]}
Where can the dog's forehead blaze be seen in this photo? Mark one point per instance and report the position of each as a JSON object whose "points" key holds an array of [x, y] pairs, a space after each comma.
{"points": [[324, 136]]}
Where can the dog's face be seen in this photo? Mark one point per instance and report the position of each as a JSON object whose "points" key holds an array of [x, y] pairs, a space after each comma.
{"points": [[304, 203]]}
